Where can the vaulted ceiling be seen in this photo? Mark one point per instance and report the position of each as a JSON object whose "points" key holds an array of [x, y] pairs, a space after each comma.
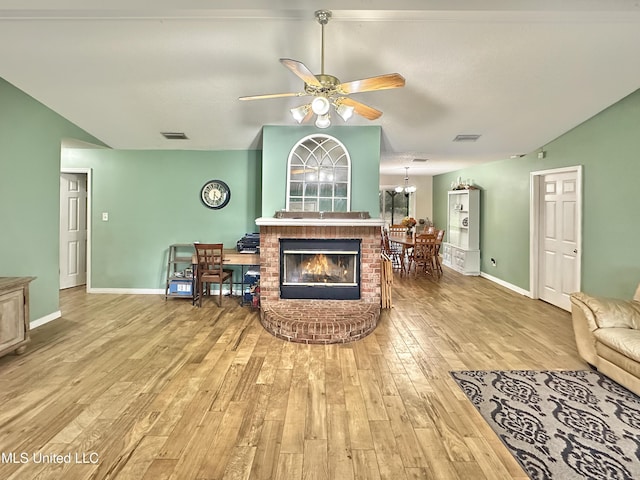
{"points": [[518, 73]]}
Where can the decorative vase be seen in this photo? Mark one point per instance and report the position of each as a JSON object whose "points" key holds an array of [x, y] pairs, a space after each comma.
{"points": [[409, 231]]}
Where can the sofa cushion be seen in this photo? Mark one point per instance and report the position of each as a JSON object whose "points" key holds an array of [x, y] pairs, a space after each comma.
{"points": [[612, 312], [623, 340]]}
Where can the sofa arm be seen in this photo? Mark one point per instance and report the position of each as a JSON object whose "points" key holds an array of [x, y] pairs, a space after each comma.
{"points": [[609, 312], [584, 324], [590, 313]]}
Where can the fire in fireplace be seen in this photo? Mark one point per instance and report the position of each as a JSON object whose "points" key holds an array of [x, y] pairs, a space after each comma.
{"points": [[320, 269]]}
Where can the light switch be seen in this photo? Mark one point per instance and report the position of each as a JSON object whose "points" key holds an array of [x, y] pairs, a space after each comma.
{"points": [[105, 216]]}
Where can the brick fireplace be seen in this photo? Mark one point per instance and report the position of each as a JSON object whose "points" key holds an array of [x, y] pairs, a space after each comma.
{"points": [[319, 320]]}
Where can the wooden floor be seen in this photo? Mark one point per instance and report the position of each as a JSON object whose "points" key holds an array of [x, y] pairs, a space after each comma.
{"points": [[142, 388]]}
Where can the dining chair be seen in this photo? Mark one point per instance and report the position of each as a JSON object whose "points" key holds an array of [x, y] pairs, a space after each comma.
{"points": [[210, 270], [404, 251], [436, 257], [394, 253], [423, 253]]}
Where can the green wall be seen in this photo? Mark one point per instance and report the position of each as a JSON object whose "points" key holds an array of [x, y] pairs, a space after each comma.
{"points": [[153, 200], [362, 143], [30, 138], [608, 147]]}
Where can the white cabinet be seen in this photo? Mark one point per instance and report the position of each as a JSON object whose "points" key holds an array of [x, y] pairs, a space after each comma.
{"points": [[461, 251]]}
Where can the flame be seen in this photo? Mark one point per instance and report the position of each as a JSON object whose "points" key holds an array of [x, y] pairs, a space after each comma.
{"points": [[317, 265]]}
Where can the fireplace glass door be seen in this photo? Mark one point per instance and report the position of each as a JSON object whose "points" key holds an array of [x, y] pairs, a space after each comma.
{"points": [[320, 268]]}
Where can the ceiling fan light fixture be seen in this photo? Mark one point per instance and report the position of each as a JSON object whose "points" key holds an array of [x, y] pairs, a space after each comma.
{"points": [[345, 111], [320, 105], [299, 113], [323, 121]]}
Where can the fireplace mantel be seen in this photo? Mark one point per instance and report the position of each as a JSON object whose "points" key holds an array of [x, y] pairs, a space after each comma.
{"points": [[319, 222]]}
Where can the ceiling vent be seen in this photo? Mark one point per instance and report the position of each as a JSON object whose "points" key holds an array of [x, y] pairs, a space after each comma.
{"points": [[174, 135], [466, 138], [420, 160]]}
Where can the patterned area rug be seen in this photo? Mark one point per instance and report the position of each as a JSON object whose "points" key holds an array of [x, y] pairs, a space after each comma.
{"points": [[560, 425]]}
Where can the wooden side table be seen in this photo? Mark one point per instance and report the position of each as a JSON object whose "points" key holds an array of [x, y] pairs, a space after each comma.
{"points": [[14, 314]]}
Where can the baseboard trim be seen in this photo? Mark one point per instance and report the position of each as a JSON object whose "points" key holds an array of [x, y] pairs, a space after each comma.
{"points": [[508, 285], [142, 291], [128, 291], [46, 319]]}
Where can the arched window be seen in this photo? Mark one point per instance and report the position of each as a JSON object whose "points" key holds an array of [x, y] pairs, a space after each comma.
{"points": [[319, 176]]}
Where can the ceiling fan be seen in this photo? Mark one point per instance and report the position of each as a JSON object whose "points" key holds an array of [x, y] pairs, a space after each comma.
{"points": [[328, 90]]}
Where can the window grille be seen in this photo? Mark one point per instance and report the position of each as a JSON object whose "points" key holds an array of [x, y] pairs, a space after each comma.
{"points": [[319, 175]]}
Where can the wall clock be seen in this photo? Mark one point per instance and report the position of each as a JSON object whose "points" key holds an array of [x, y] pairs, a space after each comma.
{"points": [[215, 194]]}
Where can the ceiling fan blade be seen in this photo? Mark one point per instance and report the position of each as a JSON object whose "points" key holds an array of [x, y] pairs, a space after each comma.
{"points": [[300, 70], [272, 95], [381, 82], [308, 116], [361, 109]]}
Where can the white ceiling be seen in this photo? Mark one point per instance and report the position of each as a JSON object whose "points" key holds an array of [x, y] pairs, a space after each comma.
{"points": [[518, 73]]}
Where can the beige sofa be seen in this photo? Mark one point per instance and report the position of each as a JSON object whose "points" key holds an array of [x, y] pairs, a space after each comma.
{"points": [[607, 333]]}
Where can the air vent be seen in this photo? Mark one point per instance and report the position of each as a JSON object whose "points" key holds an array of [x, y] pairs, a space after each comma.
{"points": [[174, 135], [420, 160], [466, 138]]}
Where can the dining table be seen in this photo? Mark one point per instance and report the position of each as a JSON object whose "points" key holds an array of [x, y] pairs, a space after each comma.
{"points": [[407, 242]]}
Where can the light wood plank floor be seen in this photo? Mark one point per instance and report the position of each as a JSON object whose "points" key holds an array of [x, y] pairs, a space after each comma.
{"points": [[142, 388]]}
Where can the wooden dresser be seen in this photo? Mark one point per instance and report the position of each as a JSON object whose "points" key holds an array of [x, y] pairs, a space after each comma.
{"points": [[14, 314]]}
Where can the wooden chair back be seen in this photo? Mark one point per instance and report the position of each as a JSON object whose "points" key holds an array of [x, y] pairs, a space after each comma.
{"points": [[424, 251], [209, 257], [439, 239], [397, 230]]}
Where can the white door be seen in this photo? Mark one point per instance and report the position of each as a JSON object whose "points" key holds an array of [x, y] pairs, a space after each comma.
{"points": [[559, 230], [73, 229]]}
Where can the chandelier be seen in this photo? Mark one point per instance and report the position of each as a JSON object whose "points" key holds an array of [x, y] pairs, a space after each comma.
{"points": [[407, 189]]}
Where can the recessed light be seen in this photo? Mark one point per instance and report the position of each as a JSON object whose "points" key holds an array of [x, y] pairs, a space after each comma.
{"points": [[174, 135]]}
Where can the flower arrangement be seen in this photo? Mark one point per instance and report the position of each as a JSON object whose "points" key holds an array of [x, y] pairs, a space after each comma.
{"points": [[409, 222]]}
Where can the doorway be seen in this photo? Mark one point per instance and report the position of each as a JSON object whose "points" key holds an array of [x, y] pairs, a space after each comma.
{"points": [[75, 237], [556, 234]]}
